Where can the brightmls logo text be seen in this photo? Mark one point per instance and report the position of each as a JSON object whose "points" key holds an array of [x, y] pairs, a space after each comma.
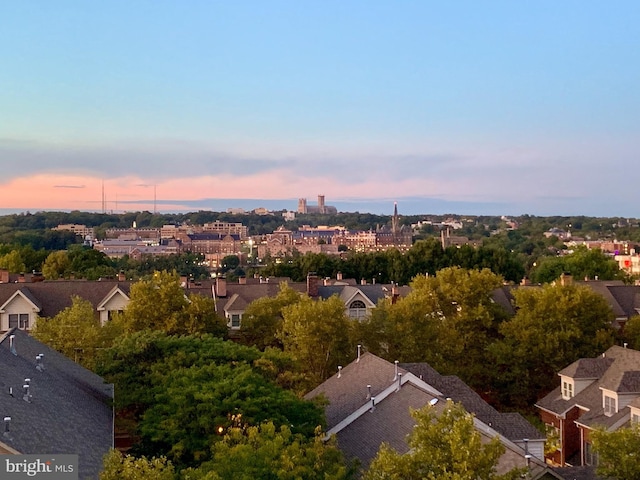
{"points": [[45, 467]]}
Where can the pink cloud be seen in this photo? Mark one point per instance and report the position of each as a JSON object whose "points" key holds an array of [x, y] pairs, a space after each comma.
{"points": [[134, 193]]}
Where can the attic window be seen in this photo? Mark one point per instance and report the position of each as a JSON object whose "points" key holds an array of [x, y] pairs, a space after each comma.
{"points": [[357, 309], [19, 320], [610, 406], [567, 390]]}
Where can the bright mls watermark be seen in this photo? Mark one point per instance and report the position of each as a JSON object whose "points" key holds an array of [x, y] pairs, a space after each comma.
{"points": [[46, 467]]}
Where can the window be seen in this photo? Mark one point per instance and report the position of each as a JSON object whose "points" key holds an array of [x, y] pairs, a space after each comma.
{"points": [[19, 320], [609, 405], [567, 390], [235, 320], [590, 457], [357, 309], [112, 313], [635, 418]]}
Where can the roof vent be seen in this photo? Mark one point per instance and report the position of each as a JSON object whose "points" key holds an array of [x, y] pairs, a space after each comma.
{"points": [[433, 401], [395, 375], [339, 371], [40, 362], [7, 423], [359, 350], [26, 396], [12, 344], [373, 404], [368, 392], [399, 381]]}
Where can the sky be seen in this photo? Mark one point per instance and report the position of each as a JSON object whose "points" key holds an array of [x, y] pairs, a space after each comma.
{"points": [[493, 107]]}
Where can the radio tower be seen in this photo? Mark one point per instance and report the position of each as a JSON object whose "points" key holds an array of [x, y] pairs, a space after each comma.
{"points": [[104, 199]]}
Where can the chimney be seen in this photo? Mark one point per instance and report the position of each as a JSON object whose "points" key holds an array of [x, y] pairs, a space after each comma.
{"points": [[21, 278], [363, 281], [566, 279], [242, 280], [121, 276], [394, 294], [4, 276], [312, 284], [221, 287], [339, 276], [525, 282]]}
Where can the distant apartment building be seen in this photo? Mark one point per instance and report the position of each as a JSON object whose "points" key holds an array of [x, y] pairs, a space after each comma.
{"points": [[81, 230], [304, 207]]}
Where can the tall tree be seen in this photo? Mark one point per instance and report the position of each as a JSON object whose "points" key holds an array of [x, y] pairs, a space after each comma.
{"points": [[617, 452], [77, 333], [553, 326], [56, 265], [317, 333], [262, 320], [266, 451], [126, 467], [444, 445]]}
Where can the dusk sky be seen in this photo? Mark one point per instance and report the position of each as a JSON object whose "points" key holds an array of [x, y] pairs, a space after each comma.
{"points": [[476, 107]]}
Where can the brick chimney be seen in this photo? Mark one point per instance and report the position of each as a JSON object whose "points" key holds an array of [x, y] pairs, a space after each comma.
{"points": [[4, 276], [339, 276], [312, 284], [566, 279], [221, 287], [121, 276], [394, 294], [21, 278], [242, 280]]}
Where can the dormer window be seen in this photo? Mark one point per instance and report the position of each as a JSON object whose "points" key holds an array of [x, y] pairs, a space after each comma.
{"points": [[357, 309], [567, 389], [610, 405], [19, 320]]}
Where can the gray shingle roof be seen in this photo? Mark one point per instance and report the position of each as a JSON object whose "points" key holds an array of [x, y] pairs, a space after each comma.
{"points": [[70, 409], [54, 296], [619, 371], [511, 425]]}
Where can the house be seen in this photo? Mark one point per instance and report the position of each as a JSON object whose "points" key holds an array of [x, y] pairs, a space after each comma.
{"points": [[232, 299], [21, 304], [52, 405], [602, 391], [368, 402]]}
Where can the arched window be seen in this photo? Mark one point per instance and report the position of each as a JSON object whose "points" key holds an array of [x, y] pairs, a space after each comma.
{"points": [[357, 309]]}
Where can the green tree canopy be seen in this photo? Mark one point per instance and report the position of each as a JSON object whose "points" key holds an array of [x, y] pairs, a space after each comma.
{"points": [[178, 391], [262, 320], [117, 466], [554, 326], [618, 452], [266, 451], [582, 263], [56, 265], [444, 445], [317, 333], [77, 333]]}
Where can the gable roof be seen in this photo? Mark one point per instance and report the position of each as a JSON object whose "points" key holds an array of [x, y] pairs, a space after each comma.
{"points": [[69, 410], [617, 369], [369, 402], [54, 296], [27, 295]]}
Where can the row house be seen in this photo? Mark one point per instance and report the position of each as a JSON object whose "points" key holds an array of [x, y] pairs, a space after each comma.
{"points": [[368, 403], [594, 392]]}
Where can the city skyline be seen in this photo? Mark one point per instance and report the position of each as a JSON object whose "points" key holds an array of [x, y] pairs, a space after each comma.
{"points": [[492, 108]]}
